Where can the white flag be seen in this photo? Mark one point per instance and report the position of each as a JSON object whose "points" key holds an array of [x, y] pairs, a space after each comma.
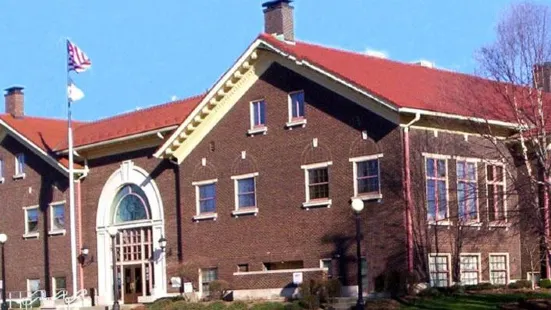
{"points": [[74, 93]]}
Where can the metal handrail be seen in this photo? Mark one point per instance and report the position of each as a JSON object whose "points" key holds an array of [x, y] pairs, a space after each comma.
{"points": [[29, 301], [80, 294], [61, 294]]}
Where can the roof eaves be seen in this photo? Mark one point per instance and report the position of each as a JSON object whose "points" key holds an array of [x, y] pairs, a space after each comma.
{"points": [[461, 117]]}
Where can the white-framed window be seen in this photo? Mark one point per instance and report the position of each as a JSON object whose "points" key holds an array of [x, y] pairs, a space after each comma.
{"points": [[436, 180], [499, 268], [31, 222], [258, 117], [1, 170], [57, 218], [439, 268], [33, 286], [19, 166], [297, 108], [495, 192], [367, 176], [205, 193], [59, 284], [245, 194], [316, 181], [467, 190], [207, 275], [469, 265], [327, 264]]}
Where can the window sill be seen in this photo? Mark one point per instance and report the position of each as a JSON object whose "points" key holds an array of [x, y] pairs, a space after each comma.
{"points": [[256, 130], [245, 211], [368, 196], [440, 223], [317, 203], [33, 235], [57, 232], [19, 176], [470, 224], [205, 216], [499, 224], [296, 123]]}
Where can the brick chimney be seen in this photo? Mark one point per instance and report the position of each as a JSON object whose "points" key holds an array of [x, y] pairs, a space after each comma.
{"points": [[278, 18], [542, 76], [14, 101]]}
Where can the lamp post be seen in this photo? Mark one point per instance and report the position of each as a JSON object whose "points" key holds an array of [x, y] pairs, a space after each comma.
{"points": [[113, 233], [3, 239], [358, 205]]}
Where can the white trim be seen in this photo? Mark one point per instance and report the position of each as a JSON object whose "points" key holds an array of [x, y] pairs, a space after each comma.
{"points": [[317, 165], [206, 216], [245, 211], [317, 203], [355, 161], [436, 156], [459, 117], [19, 176], [52, 231], [449, 265], [301, 120], [507, 265], [26, 233], [205, 182], [277, 271], [468, 159], [19, 171], [366, 197], [243, 176], [479, 267], [248, 209], [257, 130], [487, 163], [364, 158]]}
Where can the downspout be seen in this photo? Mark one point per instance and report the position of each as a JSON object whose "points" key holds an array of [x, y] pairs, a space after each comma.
{"points": [[407, 193]]}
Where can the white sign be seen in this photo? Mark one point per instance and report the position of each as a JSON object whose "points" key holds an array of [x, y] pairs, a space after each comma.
{"points": [[188, 287], [297, 277], [175, 282]]}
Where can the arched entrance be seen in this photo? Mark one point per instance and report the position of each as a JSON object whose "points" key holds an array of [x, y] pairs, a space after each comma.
{"points": [[130, 201]]}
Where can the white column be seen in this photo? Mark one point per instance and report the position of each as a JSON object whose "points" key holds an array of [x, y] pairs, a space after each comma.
{"points": [[160, 264], [105, 274]]}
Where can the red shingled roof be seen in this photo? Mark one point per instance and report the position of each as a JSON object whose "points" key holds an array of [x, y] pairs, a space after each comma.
{"points": [[402, 84]]}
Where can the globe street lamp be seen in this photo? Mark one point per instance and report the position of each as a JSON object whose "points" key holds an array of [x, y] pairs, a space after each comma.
{"points": [[113, 233], [358, 205]]}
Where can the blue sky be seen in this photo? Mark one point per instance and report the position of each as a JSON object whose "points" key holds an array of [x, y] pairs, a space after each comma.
{"points": [[146, 52]]}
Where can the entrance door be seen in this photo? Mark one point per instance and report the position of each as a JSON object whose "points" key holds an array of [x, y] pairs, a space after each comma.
{"points": [[133, 286]]}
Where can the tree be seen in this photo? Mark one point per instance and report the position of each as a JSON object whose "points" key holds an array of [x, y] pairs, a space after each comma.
{"points": [[519, 61]]}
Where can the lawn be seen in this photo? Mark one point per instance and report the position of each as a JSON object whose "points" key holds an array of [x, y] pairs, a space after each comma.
{"points": [[517, 300]]}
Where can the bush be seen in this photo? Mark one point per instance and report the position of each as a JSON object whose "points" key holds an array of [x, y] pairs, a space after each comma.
{"points": [[332, 289], [430, 292], [218, 289], [520, 284], [160, 304], [545, 283], [238, 305], [217, 306], [295, 305], [268, 306], [178, 305], [483, 286], [312, 293]]}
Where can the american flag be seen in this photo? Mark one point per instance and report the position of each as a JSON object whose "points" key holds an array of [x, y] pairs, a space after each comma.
{"points": [[77, 60]]}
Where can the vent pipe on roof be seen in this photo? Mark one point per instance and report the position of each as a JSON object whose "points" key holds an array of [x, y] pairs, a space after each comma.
{"points": [[14, 99], [424, 63], [542, 76], [278, 19]]}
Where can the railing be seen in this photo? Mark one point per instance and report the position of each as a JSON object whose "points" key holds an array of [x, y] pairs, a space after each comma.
{"points": [[61, 294], [79, 295]]}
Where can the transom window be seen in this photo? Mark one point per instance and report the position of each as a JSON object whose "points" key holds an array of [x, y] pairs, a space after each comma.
{"points": [[258, 113], [131, 204], [498, 268], [57, 216], [436, 176], [469, 266], [495, 190], [31, 220], [467, 194], [439, 267], [296, 105]]}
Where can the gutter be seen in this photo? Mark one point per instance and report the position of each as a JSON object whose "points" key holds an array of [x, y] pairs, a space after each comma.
{"points": [[459, 117], [407, 192]]}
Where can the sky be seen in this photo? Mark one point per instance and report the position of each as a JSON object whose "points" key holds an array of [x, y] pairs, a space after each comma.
{"points": [[147, 52]]}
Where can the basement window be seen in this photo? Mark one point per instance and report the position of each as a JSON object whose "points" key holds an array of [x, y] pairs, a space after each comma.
{"points": [[284, 265]]}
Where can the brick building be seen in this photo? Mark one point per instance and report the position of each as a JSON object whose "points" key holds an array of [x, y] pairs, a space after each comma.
{"points": [[252, 182]]}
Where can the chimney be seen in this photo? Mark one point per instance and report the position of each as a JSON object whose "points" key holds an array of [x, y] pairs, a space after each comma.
{"points": [[542, 76], [278, 19], [14, 101]]}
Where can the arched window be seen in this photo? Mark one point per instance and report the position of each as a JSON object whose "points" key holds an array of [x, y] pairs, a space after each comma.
{"points": [[130, 204]]}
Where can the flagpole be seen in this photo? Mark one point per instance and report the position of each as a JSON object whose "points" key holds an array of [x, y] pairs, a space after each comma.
{"points": [[71, 187]]}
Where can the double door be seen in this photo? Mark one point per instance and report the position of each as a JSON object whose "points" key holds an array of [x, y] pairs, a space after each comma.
{"points": [[133, 283]]}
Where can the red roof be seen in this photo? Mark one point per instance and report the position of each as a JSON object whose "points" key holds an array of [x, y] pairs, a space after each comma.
{"points": [[402, 84]]}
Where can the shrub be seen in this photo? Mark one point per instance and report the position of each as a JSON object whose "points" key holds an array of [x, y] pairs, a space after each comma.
{"points": [[312, 293], [268, 306], [218, 289], [430, 292], [482, 286], [160, 304], [520, 284], [332, 289], [217, 306], [178, 305], [545, 283], [295, 305], [238, 305]]}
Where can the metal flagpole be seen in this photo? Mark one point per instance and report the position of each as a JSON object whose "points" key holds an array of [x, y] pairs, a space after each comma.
{"points": [[71, 186]]}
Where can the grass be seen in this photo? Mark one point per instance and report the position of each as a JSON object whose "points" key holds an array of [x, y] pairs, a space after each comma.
{"points": [[473, 301]]}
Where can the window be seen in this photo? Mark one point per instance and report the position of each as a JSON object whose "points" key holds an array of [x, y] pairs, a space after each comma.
{"points": [[367, 176], [436, 176], [245, 194], [206, 199], [499, 267], [19, 165], [467, 194], [469, 266], [258, 114], [33, 286], [327, 263], [439, 269], [296, 109], [243, 268], [57, 217], [317, 184], [208, 275], [130, 204], [284, 265], [31, 222], [59, 285], [1, 170], [495, 190]]}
